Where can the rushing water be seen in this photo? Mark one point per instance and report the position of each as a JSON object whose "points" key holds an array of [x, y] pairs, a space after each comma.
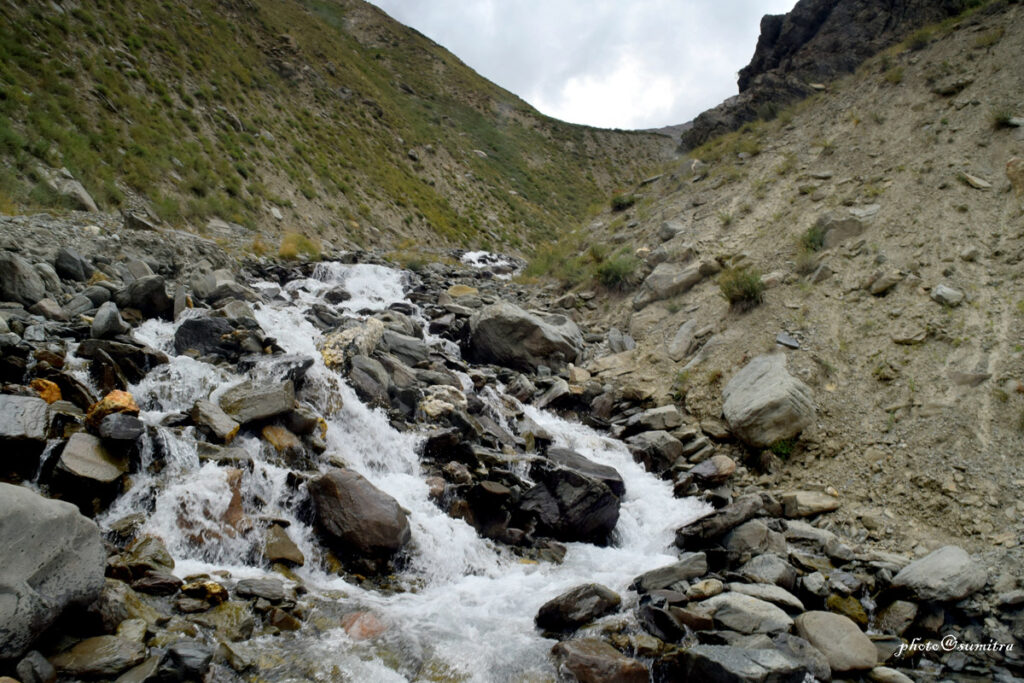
{"points": [[467, 608]]}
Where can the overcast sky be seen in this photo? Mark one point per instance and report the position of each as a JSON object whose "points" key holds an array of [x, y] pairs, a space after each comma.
{"points": [[607, 63]]}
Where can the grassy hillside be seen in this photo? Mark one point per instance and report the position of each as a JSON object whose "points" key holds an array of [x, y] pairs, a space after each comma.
{"points": [[353, 127]]}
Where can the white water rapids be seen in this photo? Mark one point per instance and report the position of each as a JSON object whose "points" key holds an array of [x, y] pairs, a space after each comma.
{"points": [[466, 612]]}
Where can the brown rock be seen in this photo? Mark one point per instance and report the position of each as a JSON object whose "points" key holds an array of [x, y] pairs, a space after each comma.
{"points": [[594, 661], [47, 390], [283, 441], [279, 547], [206, 590], [115, 402], [362, 625], [843, 644]]}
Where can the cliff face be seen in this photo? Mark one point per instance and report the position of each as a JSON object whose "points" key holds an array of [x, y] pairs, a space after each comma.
{"points": [[814, 43]]}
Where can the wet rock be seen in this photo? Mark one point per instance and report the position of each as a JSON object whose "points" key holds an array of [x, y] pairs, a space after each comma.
{"points": [[505, 334], [577, 607], [185, 661], [157, 583], [286, 444], [132, 360], [409, 350], [206, 590], [715, 470], [268, 588], [337, 347], [148, 295], [657, 451], [574, 461], [370, 380], [248, 401], [843, 644], [278, 547], [689, 566], [87, 460], [362, 625], [213, 421], [121, 427], [24, 422], [802, 651], [232, 620], [591, 660], [764, 404], [19, 281], [569, 506], [53, 559], [356, 519], [945, 575], [107, 322], [147, 554], [745, 614], [118, 602], [101, 656], [47, 390], [665, 418], [667, 280], [728, 664]]}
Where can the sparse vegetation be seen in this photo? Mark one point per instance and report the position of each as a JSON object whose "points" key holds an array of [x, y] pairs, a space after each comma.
{"points": [[621, 202], [989, 38], [919, 39], [783, 448], [1000, 116], [725, 218], [894, 76], [618, 271], [813, 238], [294, 244], [742, 288]]}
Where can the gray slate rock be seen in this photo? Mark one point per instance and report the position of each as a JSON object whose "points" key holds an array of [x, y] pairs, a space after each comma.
{"points": [[121, 427], [619, 342], [577, 607], [101, 656], [23, 418], [947, 296], [802, 651], [268, 588], [578, 463], [19, 281], [945, 575], [689, 566], [505, 334], [49, 309], [148, 295], [248, 401], [764, 404], [666, 281], [108, 322], [85, 457], [839, 639], [214, 421], [745, 614], [683, 342], [728, 664], [53, 559]]}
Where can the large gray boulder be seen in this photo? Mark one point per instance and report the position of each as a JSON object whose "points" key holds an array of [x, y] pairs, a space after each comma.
{"points": [[764, 404], [19, 281], [53, 559], [357, 520], [248, 401], [839, 639], [945, 575], [577, 607], [668, 280], [505, 334]]}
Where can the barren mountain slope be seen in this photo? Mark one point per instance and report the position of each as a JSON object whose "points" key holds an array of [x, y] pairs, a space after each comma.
{"points": [[920, 404]]}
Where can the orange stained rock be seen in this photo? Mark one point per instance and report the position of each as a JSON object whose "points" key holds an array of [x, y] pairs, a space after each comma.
{"points": [[47, 390]]}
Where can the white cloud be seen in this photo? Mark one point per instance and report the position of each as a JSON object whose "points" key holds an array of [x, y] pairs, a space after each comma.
{"points": [[636, 64]]}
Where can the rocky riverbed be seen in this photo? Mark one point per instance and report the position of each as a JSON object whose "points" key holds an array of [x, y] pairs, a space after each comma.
{"points": [[221, 469]]}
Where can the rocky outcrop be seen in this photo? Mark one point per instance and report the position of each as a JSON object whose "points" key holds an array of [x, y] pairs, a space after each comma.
{"points": [[53, 560], [507, 335], [814, 43], [764, 404], [357, 520]]}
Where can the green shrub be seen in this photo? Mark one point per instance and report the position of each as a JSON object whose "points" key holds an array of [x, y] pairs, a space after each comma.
{"points": [[813, 238], [742, 288], [894, 75], [1000, 117], [293, 244], [618, 272], [919, 39], [621, 202], [783, 448]]}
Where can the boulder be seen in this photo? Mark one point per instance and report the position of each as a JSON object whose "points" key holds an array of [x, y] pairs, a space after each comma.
{"points": [[213, 421], [61, 182], [664, 418], [505, 334], [666, 281], [107, 322], [590, 660], [205, 336], [148, 295], [764, 404], [268, 588], [24, 422], [53, 559], [71, 265], [85, 458], [807, 503], [728, 664], [770, 569], [945, 575], [49, 309], [570, 506], [356, 519], [248, 401], [19, 281], [800, 650], [99, 657], [683, 341], [839, 639], [745, 614], [689, 566], [113, 402], [121, 427], [658, 451], [577, 607], [578, 463], [279, 547], [409, 350], [720, 521]]}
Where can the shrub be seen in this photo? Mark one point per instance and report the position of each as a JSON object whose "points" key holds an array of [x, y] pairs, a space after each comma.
{"points": [[725, 218], [1000, 117], [894, 75], [293, 244], [783, 448], [617, 272], [621, 202], [919, 39], [813, 238], [742, 288]]}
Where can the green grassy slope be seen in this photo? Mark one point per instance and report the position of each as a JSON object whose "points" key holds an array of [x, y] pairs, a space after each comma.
{"points": [[350, 124]]}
